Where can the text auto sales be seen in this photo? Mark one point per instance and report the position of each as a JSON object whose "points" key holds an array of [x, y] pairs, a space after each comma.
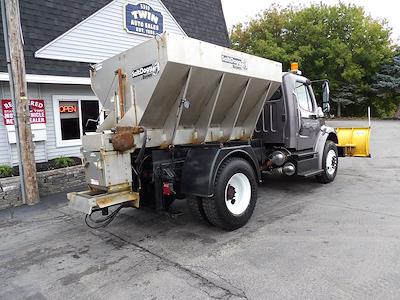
{"points": [[142, 14], [150, 25]]}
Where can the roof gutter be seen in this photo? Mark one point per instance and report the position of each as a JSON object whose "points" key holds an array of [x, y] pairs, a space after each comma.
{"points": [[50, 79]]}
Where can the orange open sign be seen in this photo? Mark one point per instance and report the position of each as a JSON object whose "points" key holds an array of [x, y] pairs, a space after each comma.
{"points": [[68, 109]]}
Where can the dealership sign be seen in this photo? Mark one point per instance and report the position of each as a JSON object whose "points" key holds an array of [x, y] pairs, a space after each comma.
{"points": [[37, 112], [141, 18]]}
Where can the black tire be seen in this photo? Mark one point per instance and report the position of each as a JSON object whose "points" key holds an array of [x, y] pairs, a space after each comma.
{"points": [[195, 206], [216, 208], [327, 176]]}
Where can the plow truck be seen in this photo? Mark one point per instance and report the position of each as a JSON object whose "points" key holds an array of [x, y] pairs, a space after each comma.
{"points": [[189, 120]]}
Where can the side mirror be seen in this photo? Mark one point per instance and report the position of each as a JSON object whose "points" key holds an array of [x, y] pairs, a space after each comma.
{"points": [[326, 106]]}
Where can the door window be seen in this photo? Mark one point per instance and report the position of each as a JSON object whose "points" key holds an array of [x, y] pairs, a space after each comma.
{"points": [[90, 116], [304, 97]]}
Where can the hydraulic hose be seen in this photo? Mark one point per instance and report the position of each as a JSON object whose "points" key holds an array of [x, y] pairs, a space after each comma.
{"points": [[101, 223], [143, 149]]}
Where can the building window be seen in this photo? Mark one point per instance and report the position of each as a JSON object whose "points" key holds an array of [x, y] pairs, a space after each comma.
{"points": [[75, 116], [69, 120]]}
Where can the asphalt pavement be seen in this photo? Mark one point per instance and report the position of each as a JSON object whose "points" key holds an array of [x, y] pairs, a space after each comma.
{"points": [[304, 241]]}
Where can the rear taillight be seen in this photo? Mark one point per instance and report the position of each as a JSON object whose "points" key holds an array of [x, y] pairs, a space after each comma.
{"points": [[167, 189]]}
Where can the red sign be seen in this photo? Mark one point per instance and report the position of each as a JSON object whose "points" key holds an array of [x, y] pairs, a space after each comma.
{"points": [[7, 108], [37, 112]]}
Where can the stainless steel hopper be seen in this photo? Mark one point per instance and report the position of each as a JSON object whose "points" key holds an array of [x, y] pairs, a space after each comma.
{"points": [[184, 91]]}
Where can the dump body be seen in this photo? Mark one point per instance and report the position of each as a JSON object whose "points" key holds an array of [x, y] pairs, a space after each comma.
{"points": [[184, 91]]}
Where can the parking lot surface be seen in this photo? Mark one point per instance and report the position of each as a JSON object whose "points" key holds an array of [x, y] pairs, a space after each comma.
{"points": [[305, 240]]}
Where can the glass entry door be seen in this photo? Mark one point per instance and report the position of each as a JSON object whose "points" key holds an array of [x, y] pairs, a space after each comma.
{"points": [[90, 116]]}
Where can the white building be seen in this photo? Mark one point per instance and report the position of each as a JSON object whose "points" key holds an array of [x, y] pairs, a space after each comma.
{"points": [[62, 38]]}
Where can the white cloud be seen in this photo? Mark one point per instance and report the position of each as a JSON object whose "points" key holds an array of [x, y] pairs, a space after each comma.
{"points": [[241, 11]]}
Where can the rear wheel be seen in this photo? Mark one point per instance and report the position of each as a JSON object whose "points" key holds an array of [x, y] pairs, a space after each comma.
{"points": [[235, 195], [329, 163], [195, 205]]}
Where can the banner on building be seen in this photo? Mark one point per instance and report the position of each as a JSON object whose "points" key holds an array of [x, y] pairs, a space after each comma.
{"points": [[37, 112], [141, 18], [37, 118]]}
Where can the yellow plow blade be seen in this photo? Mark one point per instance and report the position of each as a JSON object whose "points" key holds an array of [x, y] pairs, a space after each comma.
{"points": [[354, 142]]}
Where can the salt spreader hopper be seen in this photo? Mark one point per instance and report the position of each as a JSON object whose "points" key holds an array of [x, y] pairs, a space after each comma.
{"points": [[184, 91]]}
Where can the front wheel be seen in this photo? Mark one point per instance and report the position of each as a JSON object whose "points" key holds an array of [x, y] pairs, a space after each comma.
{"points": [[329, 163], [235, 195]]}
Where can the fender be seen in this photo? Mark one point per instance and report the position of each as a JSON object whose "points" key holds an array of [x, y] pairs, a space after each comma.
{"points": [[326, 133], [202, 164]]}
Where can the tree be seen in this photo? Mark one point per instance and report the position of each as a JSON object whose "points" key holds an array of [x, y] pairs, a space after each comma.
{"points": [[340, 43], [386, 86]]}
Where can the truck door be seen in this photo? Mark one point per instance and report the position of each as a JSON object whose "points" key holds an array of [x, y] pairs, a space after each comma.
{"points": [[308, 122]]}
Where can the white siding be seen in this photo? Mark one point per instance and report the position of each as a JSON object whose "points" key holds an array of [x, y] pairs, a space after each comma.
{"points": [[45, 150], [102, 35], [40, 153], [5, 152], [4, 146], [47, 92], [11, 155]]}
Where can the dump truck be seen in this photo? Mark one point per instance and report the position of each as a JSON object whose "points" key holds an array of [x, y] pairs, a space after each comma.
{"points": [[189, 120]]}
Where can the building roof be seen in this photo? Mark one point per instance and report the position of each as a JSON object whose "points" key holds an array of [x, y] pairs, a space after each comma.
{"points": [[42, 23]]}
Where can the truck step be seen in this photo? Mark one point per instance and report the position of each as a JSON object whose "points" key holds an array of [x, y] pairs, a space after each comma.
{"points": [[304, 154], [310, 173], [173, 214]]}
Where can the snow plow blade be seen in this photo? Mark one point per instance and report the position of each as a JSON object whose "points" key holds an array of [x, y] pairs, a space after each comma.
{"points": [[354, 142]]}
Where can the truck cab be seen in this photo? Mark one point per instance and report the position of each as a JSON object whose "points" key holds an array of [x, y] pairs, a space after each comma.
{"points": [[292, 119]]}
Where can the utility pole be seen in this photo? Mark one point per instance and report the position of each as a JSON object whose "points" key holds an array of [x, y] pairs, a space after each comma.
{"points": [[18, 86]]}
